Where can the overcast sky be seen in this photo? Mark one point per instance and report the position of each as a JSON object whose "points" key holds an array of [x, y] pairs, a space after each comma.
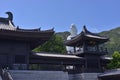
{"points": [[97, 15]]}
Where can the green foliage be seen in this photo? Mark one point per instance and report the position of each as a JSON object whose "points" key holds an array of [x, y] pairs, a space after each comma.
{"points": [[54, 45], [115, 62]]}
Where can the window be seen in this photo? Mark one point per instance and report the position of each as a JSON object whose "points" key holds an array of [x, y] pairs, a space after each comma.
{"points": [[20, 59]]}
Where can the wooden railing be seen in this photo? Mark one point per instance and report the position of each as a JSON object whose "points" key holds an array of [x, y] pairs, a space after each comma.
{"points": [[88, 50]]}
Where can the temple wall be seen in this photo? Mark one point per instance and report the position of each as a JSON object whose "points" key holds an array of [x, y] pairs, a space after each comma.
{"points": [[12, 50], [13, 47], [38, 75]]}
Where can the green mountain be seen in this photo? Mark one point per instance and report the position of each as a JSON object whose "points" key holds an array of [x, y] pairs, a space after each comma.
{"points": [[64, 35], [114, 39]]}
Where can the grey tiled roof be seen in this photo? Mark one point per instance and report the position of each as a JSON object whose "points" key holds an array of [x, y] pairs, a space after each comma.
{"points": [[114, 72], [7, 25], [86, 35]]}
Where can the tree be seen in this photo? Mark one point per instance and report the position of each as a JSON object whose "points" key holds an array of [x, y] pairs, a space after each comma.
{"points": [[54, 45], [115, 62]]}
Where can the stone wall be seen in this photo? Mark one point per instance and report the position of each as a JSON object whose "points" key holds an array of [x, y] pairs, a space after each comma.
{"points": [[89, 76], [50, 75], [38, 75], [84, 76]]}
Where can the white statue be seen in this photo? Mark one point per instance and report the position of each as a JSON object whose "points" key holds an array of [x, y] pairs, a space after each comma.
{"points": [[73, 33]]}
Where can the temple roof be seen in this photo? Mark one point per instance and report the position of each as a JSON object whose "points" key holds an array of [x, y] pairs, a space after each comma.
{"points": [[110, 75], [57, 55], [106, 58], [34, 36], [6, 23], [50, 58], [86, 36]]}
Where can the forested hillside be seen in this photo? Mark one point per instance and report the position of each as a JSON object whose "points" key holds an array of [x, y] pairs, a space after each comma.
{"points": [[63, 35], [114, 39]]}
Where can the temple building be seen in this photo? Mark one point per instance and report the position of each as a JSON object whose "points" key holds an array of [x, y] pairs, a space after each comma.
{"points": [[90, 49], [16, 45]]}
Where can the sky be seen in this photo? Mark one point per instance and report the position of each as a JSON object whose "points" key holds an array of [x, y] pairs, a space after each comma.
{"points": [[97, 15]]}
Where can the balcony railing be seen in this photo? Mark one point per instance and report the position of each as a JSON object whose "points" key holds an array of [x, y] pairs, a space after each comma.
{"points": [[92, 50]]}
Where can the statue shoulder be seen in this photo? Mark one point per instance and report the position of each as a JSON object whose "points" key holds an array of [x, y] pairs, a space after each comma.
{"points": [[69, 37]]}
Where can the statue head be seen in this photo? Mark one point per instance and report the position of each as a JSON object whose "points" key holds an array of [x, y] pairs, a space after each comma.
{"points": [[73, 30], [73, 33]]}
